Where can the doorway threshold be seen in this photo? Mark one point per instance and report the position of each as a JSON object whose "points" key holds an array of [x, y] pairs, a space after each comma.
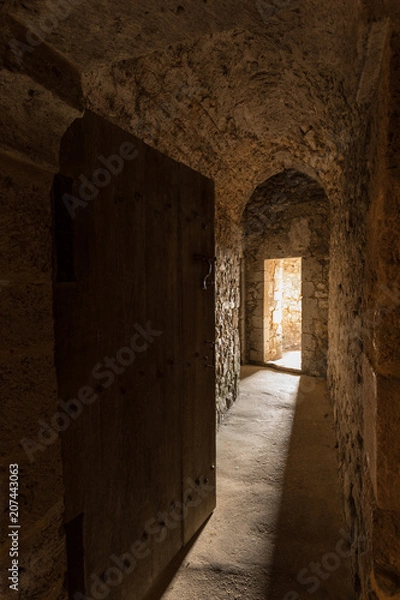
{"points": [[289, 363]]}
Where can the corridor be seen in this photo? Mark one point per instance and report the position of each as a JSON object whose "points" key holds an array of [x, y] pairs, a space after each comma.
{"points": [[278, 532]]}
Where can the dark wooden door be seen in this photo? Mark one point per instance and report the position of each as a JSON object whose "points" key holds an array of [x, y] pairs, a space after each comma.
{"points": [[134, 325]]}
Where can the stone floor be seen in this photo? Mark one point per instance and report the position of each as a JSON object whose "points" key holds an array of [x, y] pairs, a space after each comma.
{"points": [[277, 532]]}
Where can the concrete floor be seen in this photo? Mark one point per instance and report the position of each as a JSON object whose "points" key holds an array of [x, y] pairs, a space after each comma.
{"points": [[278, 505]]}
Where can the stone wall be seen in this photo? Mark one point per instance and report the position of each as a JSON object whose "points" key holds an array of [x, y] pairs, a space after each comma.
{"points": [[315, 279], [345, 373], [28, 385], [364, 324], [272, 329], [383, 346], [291, 304], [227, 299]]}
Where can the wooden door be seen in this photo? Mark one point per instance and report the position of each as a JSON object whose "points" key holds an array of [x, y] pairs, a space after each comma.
{"points": [[133, 326]]}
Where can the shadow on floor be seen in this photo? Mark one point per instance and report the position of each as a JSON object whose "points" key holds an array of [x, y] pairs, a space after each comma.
{"points": [[168, 575], [276, 533], [249, 371], [311, 559]]}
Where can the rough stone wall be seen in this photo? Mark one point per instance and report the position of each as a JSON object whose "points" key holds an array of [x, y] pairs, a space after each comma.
{"points": [[288, 216], [315, 309], [291, 304], [227, 301], [383, 348], [345, 371], [364, 324], [271, 339]]}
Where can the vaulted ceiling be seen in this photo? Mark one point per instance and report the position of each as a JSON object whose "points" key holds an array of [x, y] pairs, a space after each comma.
{"points": [[236, 90]]}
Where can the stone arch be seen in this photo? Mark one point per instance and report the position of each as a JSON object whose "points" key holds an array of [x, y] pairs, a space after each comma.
{"points": [[288, 216]]}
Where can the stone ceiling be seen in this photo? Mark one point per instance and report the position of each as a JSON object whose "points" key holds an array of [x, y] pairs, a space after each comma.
{"points": [[236, 90]]}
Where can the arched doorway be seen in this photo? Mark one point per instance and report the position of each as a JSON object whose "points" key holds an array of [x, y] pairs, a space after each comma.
{"points": [[287, 218]]}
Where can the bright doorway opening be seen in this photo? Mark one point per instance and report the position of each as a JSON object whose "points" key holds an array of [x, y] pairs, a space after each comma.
{"points": [[283, 312]]}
